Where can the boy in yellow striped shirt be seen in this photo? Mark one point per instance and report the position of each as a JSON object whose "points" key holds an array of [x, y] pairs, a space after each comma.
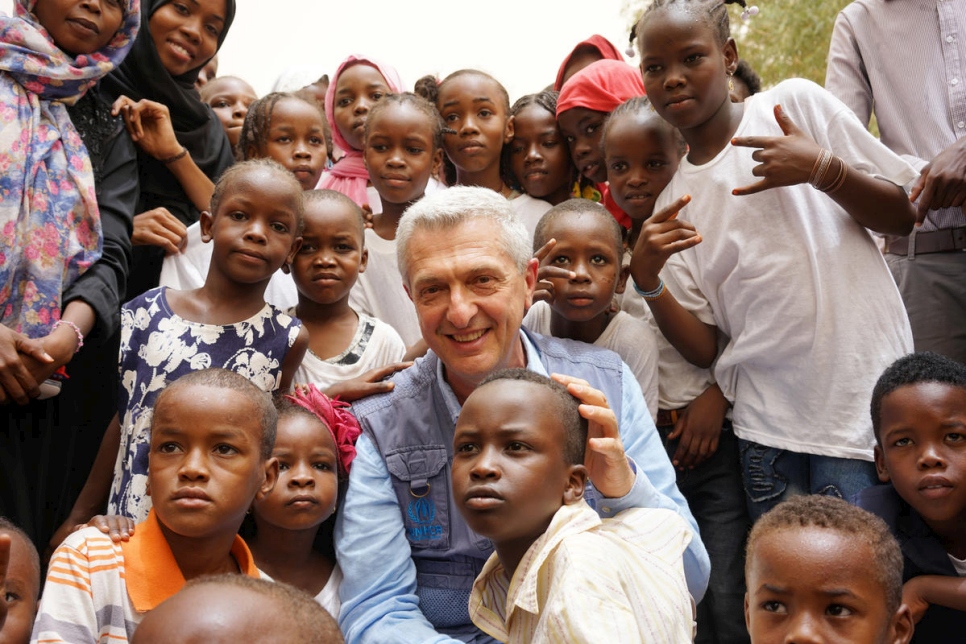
{"points": [[560, 573], [212, 435]]}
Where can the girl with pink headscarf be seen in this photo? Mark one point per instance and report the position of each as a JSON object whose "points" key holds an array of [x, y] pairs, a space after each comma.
{"points": [[358, 84]]}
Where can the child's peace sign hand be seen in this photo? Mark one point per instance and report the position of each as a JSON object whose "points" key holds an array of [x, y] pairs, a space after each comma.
{"points": [[783, 160], [544, 291], [661, 236]]}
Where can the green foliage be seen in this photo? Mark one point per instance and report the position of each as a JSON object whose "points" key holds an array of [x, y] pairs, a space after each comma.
{"points": [[788, 38]]}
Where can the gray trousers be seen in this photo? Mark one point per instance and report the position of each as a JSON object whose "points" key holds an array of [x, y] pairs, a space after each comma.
{"points": [[933, 288]]}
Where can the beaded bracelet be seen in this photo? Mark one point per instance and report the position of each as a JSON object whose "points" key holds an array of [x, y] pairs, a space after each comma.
{"points": [[80, 336], [651, 295], [839, 180], [820, 169], [177, 157]]}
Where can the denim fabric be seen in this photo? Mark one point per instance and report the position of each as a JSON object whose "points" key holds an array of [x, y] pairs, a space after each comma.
{"points": [[773, 475], [714, 492]]}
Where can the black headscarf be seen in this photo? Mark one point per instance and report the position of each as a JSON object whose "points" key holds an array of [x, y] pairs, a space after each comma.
{"points": [[142, 75]]}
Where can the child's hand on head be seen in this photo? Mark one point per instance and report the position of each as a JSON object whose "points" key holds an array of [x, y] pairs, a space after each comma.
{"points": [[368, 384], [662, 235], [912, 597], [606, 463], [158, 227], [699, 428], [544, 290], [116, 527], [149, 124], [783, 160]]}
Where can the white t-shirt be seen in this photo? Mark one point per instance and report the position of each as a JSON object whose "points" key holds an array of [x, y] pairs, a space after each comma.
{"points": [[958, 564], [328, 597], [374, 345], [529, 210], [679, 381], [799, 287], [379, 291], [632, 339], [188, 270]]}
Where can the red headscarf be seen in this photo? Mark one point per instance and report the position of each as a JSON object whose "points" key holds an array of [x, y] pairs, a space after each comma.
{"points": [[605, 47], [601, 87], [337, 418]]}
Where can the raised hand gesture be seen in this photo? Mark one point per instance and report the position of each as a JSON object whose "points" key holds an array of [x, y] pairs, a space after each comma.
{"points": [[782, 160], [545, 273], [662, 235]]}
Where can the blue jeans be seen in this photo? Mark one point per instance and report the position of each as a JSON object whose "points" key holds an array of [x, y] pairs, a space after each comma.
{"points": [[773, 475], [714, 493]]}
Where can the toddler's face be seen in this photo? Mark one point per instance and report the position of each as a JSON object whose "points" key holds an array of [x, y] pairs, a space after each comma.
{"points": [[358, 88], [641, 157], [922, 451], [585, 245], [296, 139], [308, 482], [20, 589], [582, 129], [332, 255], [816, 585], [76, 27]]}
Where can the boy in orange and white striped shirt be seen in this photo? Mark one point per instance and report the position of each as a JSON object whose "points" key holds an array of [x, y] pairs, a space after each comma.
{"points": [[210, 456], [560, 573]]}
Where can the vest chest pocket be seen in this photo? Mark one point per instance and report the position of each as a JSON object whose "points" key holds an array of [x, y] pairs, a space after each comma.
{"points": [[421, 483]]}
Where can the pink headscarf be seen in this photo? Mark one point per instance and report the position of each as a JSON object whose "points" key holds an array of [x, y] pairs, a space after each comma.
{"points": [[337, 418], [349, 175], [605, 47]]}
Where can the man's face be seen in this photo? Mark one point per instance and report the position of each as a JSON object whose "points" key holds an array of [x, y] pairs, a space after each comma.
{"points": [[470, 298]]}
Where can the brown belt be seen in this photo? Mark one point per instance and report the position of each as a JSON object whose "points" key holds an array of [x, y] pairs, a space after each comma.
{"points": [[936, 241], [668, 417]]}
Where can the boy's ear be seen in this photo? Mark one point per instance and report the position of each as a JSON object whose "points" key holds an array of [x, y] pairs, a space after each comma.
{"points": [[437, 164], [271, 476], [880, 465], [747, 614], [206, 222], [622, 279], [902, 626], [364, 260], [576, 483], [296, 245], [508, 130], [730, 52]]}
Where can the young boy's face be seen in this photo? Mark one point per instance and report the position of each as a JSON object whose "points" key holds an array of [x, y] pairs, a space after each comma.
{"points": [[20, 589], [922, 451], [205, 466], [509, 473], [229, 99], [332, 254], [641, 157], [817, 585], [255, 230], [586, 245], [399, 153]]}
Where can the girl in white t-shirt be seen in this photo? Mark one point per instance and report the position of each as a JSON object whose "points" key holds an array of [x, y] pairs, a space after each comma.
{"points": [[775, 254], [314, 444]]}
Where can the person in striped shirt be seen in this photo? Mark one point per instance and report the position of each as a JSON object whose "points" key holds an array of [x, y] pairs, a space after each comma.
{"points": [[212, 435], [560, 573]]}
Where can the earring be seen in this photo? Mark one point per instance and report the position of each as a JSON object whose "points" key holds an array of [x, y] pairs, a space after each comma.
{"points": [[731, 83]]}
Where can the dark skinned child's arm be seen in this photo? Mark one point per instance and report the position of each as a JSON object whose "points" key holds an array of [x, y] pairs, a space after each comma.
{"points": [[292, 360], [919, 592], [661, 236], [795, 158]]}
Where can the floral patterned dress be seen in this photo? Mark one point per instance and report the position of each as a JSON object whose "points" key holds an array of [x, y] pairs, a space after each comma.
{"points": [[158, 347]]}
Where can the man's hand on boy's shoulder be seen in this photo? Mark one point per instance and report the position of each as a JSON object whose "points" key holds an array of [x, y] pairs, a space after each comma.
{"points": [[607, 465]]}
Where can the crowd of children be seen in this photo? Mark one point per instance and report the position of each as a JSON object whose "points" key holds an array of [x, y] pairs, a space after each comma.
{"points": [[230, 262]]}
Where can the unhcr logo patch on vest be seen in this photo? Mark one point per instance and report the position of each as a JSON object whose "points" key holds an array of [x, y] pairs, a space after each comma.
{"points": [[422, 524]]}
